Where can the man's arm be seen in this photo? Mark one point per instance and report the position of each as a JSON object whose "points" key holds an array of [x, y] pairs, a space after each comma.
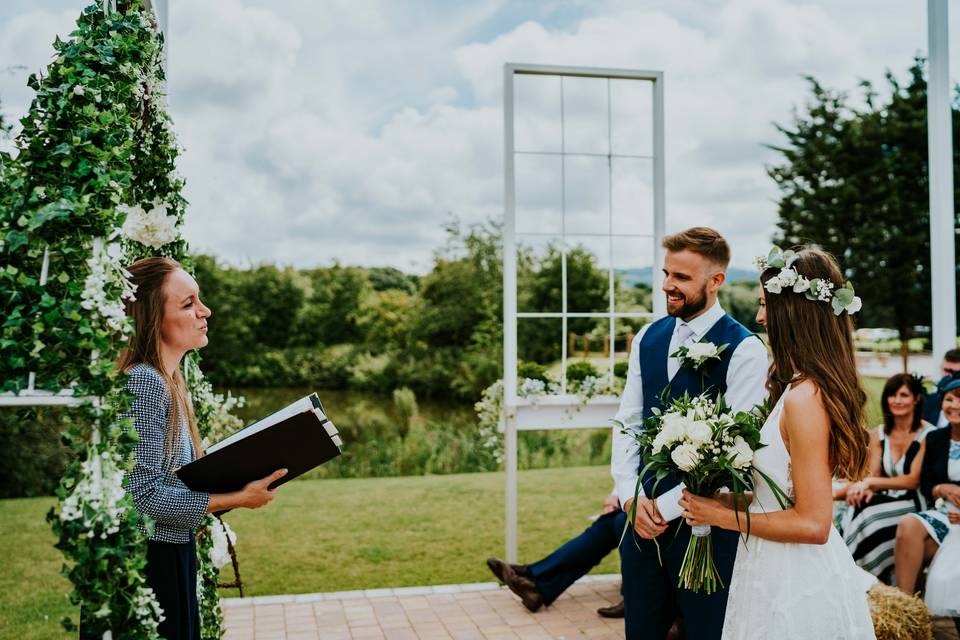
{"points": [[746, 387], [625, 455]]}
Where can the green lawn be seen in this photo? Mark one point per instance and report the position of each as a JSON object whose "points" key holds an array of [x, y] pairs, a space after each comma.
{"points": [[331, 535]]}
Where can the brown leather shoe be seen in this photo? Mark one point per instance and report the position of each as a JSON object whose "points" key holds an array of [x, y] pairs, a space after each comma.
{"points": [[497, 566], [613, 611], [521, 585]]}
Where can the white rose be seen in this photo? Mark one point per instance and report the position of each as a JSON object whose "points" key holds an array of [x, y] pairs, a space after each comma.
{"points": [[801, 285], [855, 305], [660, 441], [699, 432], [787, 277], [674, 427], [686, 456], [701, 350], [740, 453], [773, 285]]}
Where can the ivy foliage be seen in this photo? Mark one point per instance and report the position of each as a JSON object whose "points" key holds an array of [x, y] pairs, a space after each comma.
{"points": [[96, 135], [96, 143]]}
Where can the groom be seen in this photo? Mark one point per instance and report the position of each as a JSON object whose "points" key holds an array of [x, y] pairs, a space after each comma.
{"points": [[694, 270]]}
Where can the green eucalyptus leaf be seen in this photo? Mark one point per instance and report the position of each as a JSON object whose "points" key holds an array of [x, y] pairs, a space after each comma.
{"points": [[845, 296], [837, 306]]}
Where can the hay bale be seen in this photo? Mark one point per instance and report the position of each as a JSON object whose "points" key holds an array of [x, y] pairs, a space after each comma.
{"points": [[897, 616]]}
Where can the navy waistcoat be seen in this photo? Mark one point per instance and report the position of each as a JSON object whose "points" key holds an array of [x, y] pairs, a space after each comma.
{"points": [[653, 372]]}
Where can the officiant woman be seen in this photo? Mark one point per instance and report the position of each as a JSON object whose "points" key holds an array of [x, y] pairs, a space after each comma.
{"points": [[170, 320]]}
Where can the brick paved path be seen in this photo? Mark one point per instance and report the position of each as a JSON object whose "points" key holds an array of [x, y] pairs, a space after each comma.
{"points": [[482, 611]]}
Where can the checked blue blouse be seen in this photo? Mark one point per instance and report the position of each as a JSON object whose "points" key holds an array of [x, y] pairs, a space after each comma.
{"points": [[157, 493]]}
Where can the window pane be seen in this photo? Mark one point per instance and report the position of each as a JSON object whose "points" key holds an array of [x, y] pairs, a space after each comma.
{"points": [[538, 194], [631, 117], [586, 194], [539, 274], [536, 113], [585, 119], [633, 273], [588, 274], [539, 345], [632, 196]]}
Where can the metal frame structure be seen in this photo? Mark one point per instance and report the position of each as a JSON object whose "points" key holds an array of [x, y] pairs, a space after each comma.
{"points": [[564, 411]]}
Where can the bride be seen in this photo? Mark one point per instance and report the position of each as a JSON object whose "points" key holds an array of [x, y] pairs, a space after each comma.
{"points": [[794, 578]]}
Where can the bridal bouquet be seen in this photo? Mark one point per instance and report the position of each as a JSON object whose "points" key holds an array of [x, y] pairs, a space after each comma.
{"points": [[705, 445]]}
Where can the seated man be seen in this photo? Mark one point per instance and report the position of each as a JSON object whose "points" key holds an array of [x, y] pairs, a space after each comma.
{"points": [[543, 581]]}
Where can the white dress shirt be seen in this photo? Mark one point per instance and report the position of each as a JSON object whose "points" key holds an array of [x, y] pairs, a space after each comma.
{"points": [[746, 387]]}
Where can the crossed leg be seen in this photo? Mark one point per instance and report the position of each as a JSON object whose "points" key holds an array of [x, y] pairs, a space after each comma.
{"points": [[912, 548]]}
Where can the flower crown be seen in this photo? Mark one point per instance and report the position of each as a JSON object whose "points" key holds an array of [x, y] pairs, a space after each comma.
{"points": [[817, 289]]}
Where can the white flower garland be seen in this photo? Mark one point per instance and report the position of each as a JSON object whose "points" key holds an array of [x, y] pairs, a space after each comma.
{"points": [[106, 287], [815, 289], [220, 532], [97, 499]]}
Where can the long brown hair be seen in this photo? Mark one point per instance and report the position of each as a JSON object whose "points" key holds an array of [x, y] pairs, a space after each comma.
{"points": [[812, 343], [149, 276]]}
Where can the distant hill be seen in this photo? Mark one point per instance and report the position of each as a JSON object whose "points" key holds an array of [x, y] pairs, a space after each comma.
{"points": [[644, 275]]}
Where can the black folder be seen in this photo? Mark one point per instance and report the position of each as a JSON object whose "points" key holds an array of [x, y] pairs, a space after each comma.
{"points": [[297, 438]]}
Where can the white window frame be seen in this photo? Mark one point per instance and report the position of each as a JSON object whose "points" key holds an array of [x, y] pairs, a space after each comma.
{"points": [[563, 411]]}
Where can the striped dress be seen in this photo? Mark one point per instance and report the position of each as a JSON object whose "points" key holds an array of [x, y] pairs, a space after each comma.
{"points": [[870, 529]]}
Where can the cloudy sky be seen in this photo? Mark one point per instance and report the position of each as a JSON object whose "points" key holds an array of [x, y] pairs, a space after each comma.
{"points": [[352, 129]]}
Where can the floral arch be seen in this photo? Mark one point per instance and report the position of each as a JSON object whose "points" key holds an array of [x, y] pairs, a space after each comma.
{"points": [[93, 187]]}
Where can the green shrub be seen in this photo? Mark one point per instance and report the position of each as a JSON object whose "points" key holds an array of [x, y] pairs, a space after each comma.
{"points": [[620, 368], [32, 453], [580, 369], [533, 371]]}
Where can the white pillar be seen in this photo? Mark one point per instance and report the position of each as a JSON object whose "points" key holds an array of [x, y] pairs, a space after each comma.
{"points": [[659, 200], [509, 319], [940, 141]]}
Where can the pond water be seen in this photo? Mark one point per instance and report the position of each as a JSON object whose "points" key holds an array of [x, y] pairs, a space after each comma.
{"points": [[344, 407], [381, 439]]}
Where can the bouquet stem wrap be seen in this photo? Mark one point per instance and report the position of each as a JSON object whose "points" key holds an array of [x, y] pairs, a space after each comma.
{"points": [[699, 571]]}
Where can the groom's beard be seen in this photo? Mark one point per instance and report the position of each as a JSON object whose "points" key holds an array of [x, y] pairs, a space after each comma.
{"points": [[691, 305]]}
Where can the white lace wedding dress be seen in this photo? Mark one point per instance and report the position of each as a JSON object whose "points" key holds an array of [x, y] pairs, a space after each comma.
{"points": [[794, 591]]}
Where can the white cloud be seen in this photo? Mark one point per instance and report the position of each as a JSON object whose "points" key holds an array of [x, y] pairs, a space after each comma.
{"points": [[26, 47], [351, 130]]}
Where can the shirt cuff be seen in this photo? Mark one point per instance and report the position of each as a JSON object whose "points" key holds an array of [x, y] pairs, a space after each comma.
{"points": [[626, 489], [669, 503]]}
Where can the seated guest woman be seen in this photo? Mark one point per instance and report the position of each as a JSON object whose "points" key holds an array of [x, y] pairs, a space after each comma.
{"points": [[919, 535], [170, 320], [876, 503]]}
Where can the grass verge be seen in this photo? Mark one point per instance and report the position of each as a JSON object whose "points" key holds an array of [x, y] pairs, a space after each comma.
{"points": [[335, 534]]}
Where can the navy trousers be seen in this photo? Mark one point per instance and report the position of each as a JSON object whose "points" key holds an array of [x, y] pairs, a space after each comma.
{"points": [[576, 557], [172, 574], [651, 596]]}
